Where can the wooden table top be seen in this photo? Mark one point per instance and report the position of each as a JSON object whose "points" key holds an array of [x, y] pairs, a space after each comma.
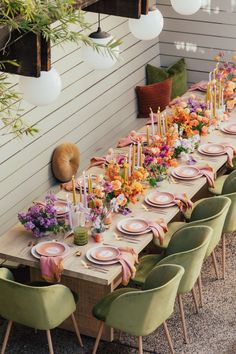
{"points": [[14, 244]]}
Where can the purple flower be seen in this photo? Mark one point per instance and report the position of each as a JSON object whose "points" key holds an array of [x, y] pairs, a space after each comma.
{"points": [[29, 225]]}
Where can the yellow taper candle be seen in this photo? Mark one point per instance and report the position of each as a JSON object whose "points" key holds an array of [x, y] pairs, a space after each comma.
{"points": [[126, 166], [141, 155], [219, 94], [208, 94], [148, 136], [214, 102], [90, 187], [73, 190], [133, 157]]}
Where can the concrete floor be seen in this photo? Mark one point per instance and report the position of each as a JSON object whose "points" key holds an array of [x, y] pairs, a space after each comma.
{"points": [[212, 331]]}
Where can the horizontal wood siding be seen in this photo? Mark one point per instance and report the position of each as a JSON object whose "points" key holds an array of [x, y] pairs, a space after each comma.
{"points": [[199, 37], [93, 111]]}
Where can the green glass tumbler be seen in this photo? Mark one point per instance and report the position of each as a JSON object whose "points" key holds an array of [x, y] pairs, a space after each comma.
{"points": [[80, 236]]}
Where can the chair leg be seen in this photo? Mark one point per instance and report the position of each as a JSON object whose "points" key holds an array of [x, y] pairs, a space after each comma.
{"points": [[168, 337], [223, 256], [183, 318], [140, 345], [98, 338], [76, 329], [195, 299], [199, 283], [6, 337], [50, 342], [213, 255]]}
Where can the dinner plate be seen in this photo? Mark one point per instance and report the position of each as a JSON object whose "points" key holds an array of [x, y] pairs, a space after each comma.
{"points": [[160, 198], [184, 178], [158, 205], [187, 171], [231, 128], [50, 248], [105, 253], [134, 225], [121, 229], [37, 255], [93, 260], [213, 149], [226, 131], [61, 207]]}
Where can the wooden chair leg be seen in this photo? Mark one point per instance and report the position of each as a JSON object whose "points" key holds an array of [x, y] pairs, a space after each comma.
{"points": [[76, 329], [49, 342], [140, 345], [181, 308], [98, 338], [168, 338], [6, 337], [199, 283], [215, 264], [223, 256], [195, 299]]}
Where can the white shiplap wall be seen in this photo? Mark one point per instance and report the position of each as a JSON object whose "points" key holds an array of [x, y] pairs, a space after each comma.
{"points": [[93, 111], [199, 37]]}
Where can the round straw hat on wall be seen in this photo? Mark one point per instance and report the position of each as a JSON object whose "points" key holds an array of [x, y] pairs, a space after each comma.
{"points": [[65, 161]]}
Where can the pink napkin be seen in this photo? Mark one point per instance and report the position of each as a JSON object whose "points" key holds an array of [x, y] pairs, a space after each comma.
{"points": [[200, 86], [67, 186], [51, 268], [207, 171], [98, 161], [182, 201], [158, 229], [231, 152], [128, 258], [125, 141]]}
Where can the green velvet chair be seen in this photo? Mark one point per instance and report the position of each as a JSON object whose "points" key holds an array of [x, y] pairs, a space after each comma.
{"points": [[187, 248], [39, 307], [222, 183], [229, 191], [140, 312], [210, 212]]}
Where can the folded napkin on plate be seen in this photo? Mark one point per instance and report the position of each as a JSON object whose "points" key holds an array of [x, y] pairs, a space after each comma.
{"points": [[182, 201], [158, 229], [128, 258], [200, 86], [98, 161], [208, 172], [128, 140], [51, 268], [231, 152]]}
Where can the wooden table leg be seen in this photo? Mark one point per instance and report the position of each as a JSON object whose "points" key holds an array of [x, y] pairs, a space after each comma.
{"points": [[89, 294]]}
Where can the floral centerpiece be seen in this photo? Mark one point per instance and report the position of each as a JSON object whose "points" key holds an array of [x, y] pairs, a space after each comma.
{"points": [[183, 146], [42, 218]]}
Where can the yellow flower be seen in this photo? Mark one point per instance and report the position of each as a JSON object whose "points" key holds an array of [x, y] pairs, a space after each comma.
{"points": [[116, 185], [98, 191]]}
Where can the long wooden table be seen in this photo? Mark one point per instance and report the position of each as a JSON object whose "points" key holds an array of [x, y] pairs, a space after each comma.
{"points": [[88, 283]]}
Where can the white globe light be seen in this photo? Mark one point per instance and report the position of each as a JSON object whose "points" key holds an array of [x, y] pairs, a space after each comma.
{"points": [[148, 26], [99, 60], [186, 7], [43, 90]]}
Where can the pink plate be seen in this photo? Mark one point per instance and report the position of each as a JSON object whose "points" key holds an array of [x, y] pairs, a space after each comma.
{"points": [[227, 131], [231, 128], [50, 249], [105, 253], [185, 178], [134, 225], [61, 207], [187, 171], [160, 198], [213, 149], [158, 205]]}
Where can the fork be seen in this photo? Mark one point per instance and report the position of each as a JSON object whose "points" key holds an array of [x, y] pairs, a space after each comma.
{"points": [[92, 267]]}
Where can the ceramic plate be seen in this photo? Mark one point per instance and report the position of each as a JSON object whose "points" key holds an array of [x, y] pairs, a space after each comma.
{"points": [[158, 205], [207, 154], [134, 225], [226, 131], [105, 253], [186, 171], [91, 259], [61, 207], [134, 222], [231, 128], [37, 255], [184, 178], [213, 149], [160, 198], [50, 249]]}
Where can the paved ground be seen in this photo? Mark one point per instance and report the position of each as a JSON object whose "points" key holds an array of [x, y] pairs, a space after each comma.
{"points": [[212, 331]]}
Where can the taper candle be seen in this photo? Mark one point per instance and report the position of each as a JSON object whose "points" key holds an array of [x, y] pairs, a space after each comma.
{"points": [[208, 94], [126, 166], [148, 136], [141, 155], [214, 102], [73, 190], [133, 157], [152, 123], [85, 190], [210, 76], [129, 160], [138, 154], [219, 94]]}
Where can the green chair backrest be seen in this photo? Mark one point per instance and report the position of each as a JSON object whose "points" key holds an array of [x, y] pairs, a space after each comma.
{"points": [[211, 212], [230, 221], [139, 313], [37, 307], [187, 248], [229, 184]]}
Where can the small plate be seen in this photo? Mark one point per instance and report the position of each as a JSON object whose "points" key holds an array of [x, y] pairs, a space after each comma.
{"points": [[226, 131], [158, 205], [61, 207], [50, 249], [184, 178], [37, 255], [134, 225], [105, 253], [187, 171], [231, 128], [91, 259], [121, 228], [213, 149], [160, 198]]}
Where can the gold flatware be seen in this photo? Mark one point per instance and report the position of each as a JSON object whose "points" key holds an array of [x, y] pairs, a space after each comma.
{"points": [[92, 267]]}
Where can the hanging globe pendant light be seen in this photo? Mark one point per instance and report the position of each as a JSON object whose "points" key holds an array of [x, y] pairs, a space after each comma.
{"points": [[148, 26], [186, 7], [41, 91], [99, 59]]}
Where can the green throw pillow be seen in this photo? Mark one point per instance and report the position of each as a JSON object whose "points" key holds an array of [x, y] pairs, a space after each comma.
{"points": [[177, 72]]}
